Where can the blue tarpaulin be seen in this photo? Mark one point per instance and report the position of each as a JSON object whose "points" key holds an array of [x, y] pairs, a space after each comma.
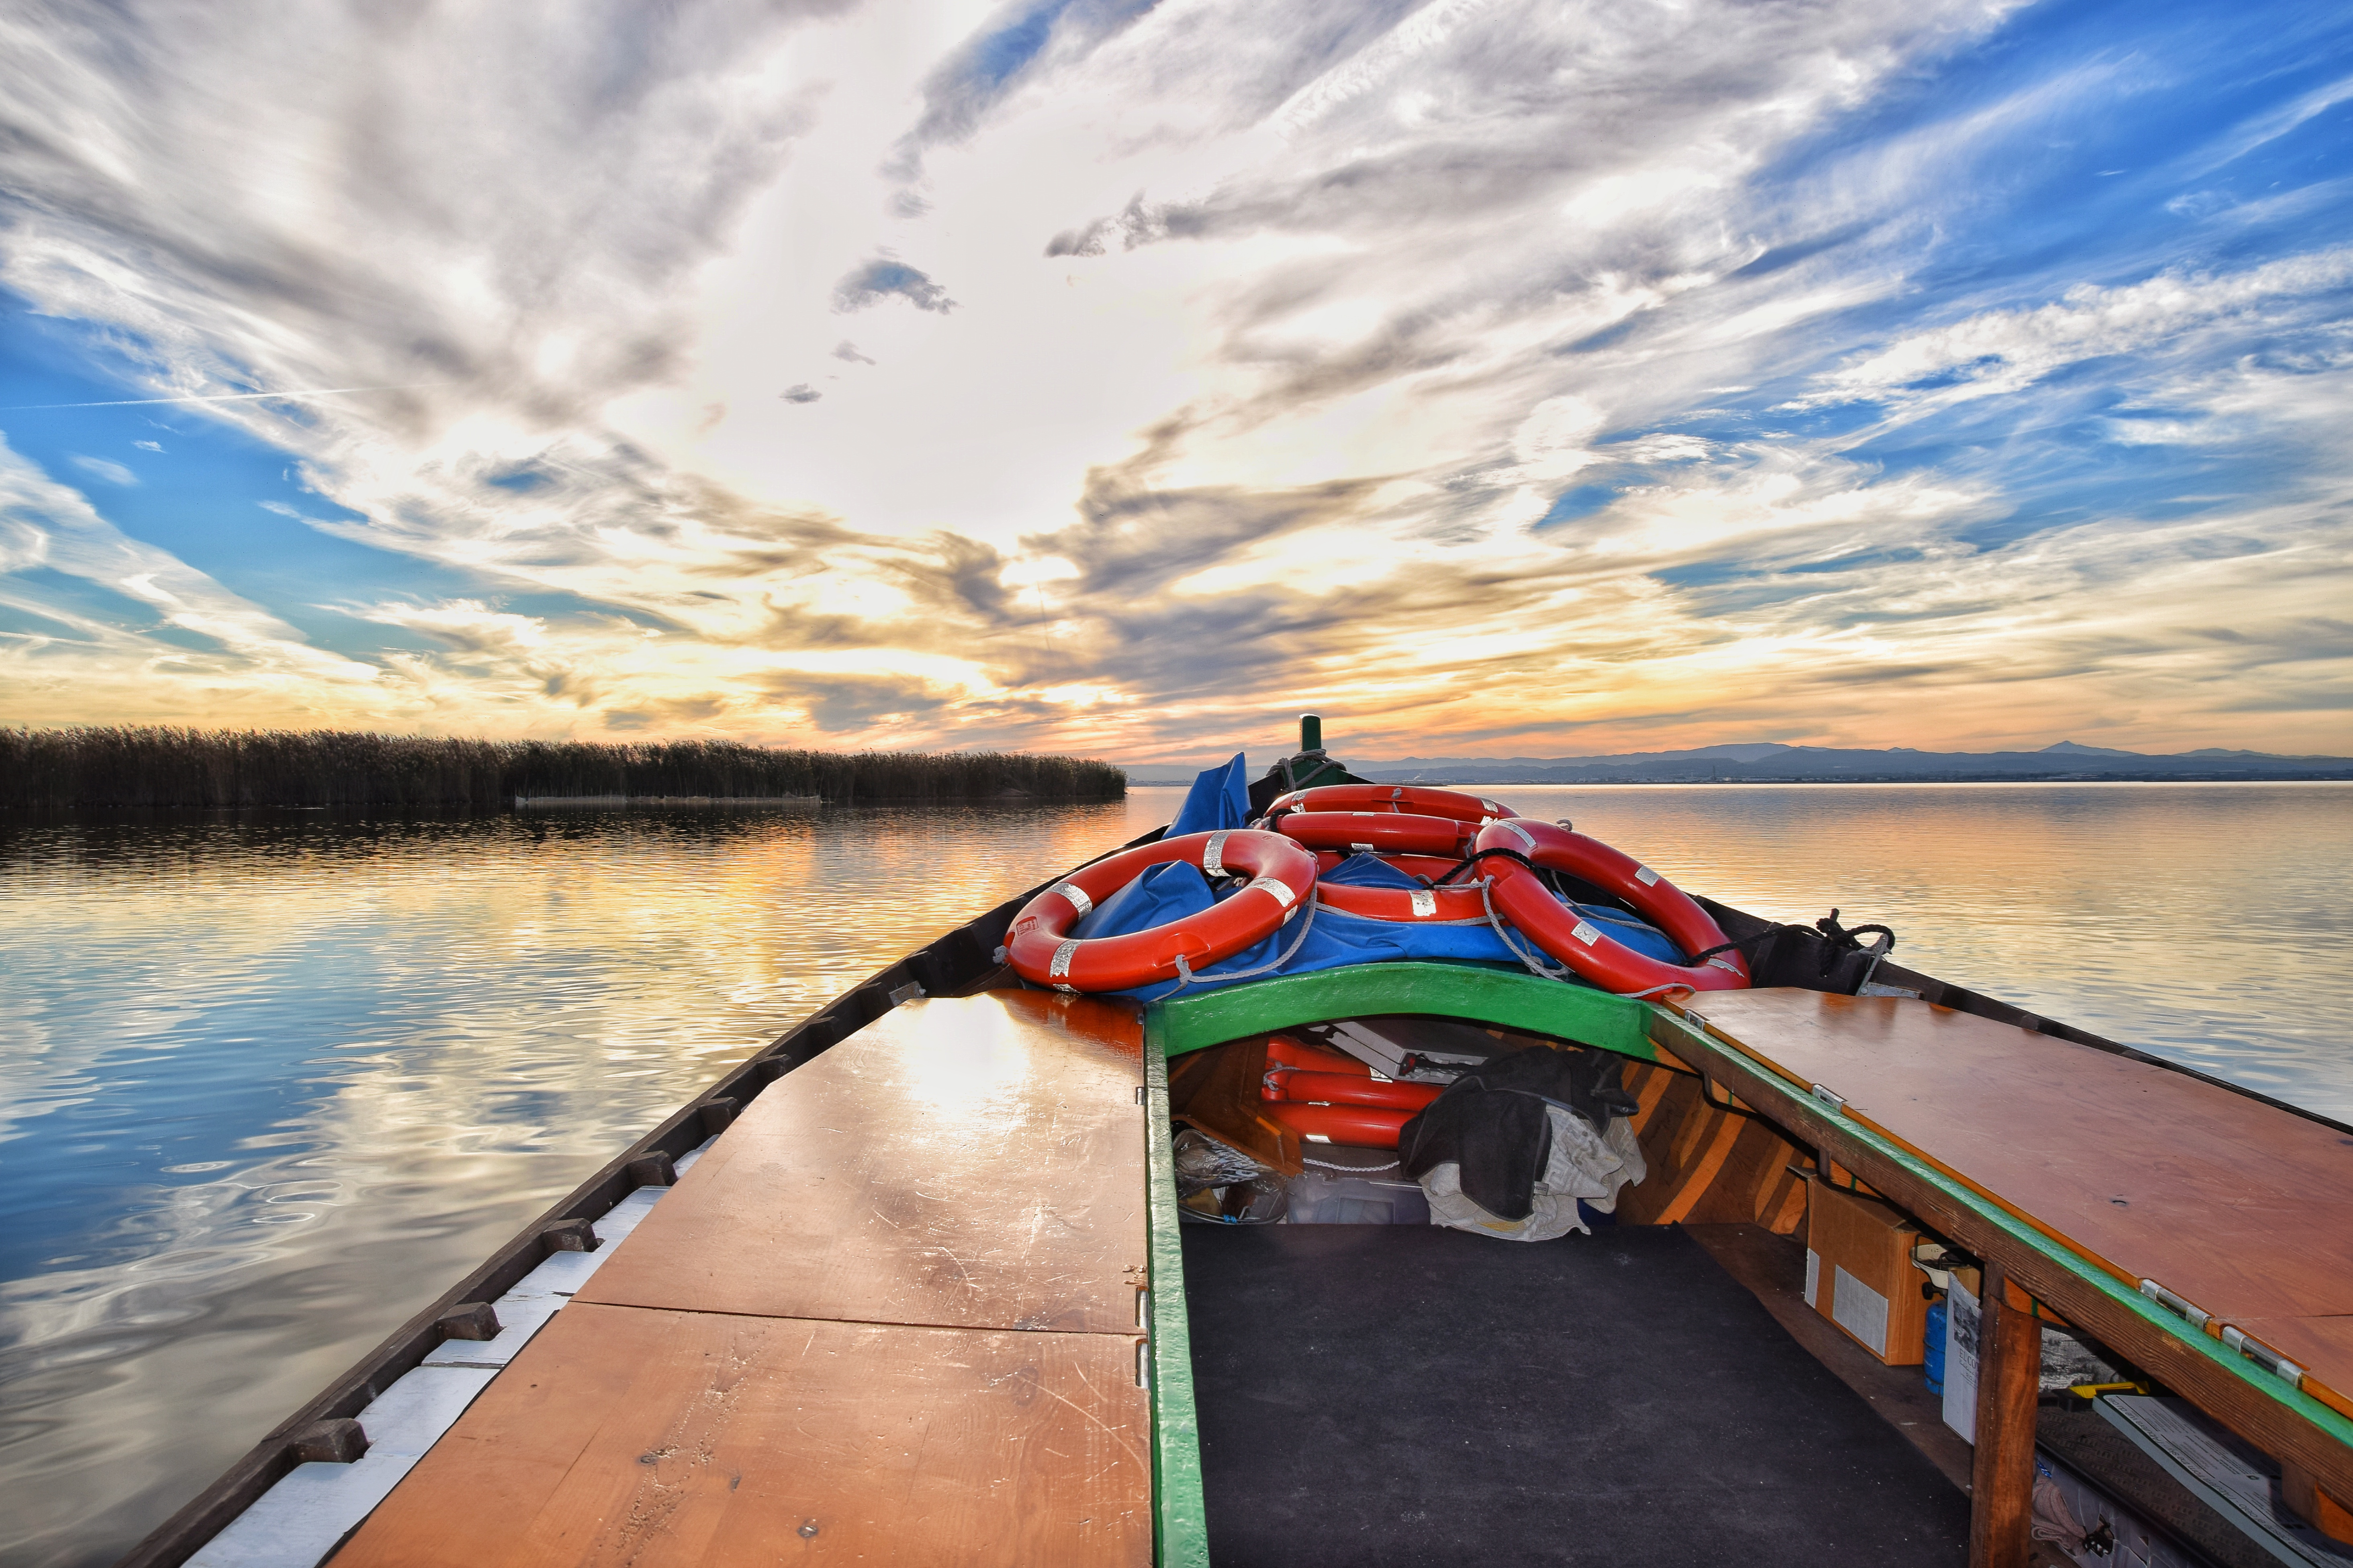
{"points": [[1219, 798]]}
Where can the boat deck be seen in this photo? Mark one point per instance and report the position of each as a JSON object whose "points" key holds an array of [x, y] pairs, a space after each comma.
{"points": [[891, 1317], [897, 1312]]}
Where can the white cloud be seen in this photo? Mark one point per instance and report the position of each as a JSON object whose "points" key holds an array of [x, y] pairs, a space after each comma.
{"points": [[1275, 330], [1998, 351], [111, 472]]}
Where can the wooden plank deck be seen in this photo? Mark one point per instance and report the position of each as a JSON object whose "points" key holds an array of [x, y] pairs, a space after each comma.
{"points": [[891, 1317]]}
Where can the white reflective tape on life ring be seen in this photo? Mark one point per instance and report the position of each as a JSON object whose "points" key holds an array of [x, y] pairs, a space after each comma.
{"points": [[1360, 848], [1213, 855], [1061, 967], [1275, 885], [1425, 902], [1491, 808], [1079, 901], [1585, 933], [1522, 833], [1645, 876]]}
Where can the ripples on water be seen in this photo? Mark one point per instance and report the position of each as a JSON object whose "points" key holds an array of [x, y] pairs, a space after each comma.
{"points": [[268, 1083]]}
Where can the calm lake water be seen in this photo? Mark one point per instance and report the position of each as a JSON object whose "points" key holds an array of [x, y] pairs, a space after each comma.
{"points": [[268, 1082]]}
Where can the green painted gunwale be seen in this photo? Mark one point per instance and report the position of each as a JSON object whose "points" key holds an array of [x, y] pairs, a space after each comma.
{"points": [[1180, 1530], [1507, 999]]}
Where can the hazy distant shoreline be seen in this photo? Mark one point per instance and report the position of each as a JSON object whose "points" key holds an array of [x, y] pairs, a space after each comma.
{"points": [[1771, 761]]}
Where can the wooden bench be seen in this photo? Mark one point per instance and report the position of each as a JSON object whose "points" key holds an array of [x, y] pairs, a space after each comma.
{"points": [[890, 1316], [2077, 1175]]}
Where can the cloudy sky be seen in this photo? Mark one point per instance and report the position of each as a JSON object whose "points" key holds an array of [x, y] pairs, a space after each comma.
{"points": [[1120, 378]]}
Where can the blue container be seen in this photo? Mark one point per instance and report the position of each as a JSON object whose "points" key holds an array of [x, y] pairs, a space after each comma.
{"points": [[1935, 1365]]}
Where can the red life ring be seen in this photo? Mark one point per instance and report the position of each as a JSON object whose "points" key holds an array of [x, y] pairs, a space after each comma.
{"points": [[1382, 832], [1406, 905], [1528, 903], [1364, 1126], [1284, 1053], [1448, 803], [1346, 1088], [1281, 873]]}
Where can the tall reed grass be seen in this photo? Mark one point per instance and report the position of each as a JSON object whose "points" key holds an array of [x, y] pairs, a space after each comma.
{"points": [[168, 766]]}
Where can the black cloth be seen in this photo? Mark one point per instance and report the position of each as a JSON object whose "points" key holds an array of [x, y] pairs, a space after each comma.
{"points": [[1408, 1396], [1308, 770], [1493, 1122]]}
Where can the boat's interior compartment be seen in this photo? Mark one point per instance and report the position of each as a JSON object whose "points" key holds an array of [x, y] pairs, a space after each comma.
{"points": [[1730, 1361]]}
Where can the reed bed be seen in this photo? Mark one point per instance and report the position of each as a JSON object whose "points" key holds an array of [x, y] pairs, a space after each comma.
{"points": [[97, 765]]}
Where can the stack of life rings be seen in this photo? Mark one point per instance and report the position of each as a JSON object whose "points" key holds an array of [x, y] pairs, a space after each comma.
{"points": [[1474, 858]]}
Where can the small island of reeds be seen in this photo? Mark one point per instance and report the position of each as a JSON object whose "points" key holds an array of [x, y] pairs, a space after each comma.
{"points": [[164, 765]]}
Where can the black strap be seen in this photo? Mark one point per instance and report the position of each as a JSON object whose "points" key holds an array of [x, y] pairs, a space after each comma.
{"points": [[1828, 928]]}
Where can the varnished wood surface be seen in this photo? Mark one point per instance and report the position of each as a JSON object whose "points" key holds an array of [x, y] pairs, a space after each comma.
{"points": [[973, 1162], [2243, 1208], [660, 1439]]}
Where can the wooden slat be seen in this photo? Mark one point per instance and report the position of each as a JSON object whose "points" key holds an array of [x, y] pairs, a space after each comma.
{"points": [[2243, 1208], [2001, 1493], [660, 1439], [973, 1162]]}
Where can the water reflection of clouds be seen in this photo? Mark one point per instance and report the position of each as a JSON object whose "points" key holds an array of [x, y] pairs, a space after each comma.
{"points": [[287, 1081]]}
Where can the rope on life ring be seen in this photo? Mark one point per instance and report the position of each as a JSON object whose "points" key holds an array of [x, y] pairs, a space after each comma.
{"points": [[1410, 798], [1582, 944], [1041, 950], [1380, 832]]}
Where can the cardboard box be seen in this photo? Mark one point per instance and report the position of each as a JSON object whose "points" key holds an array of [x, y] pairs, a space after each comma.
{"points": [[1859, 1273]]}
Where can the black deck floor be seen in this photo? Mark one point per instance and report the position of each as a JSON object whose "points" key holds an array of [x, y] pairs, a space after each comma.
{"points": [[1379, 1396]]}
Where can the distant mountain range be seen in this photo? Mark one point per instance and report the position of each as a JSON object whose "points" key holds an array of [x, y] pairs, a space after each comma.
{"points": [[1770, 762]]}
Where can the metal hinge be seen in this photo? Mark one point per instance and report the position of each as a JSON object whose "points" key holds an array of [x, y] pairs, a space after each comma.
{"points": [[1828, 1096], [2180, 1305], [2263, 1356]]}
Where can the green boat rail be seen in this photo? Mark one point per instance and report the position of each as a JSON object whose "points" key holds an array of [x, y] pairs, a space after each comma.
{"points": [[1479, 993]]}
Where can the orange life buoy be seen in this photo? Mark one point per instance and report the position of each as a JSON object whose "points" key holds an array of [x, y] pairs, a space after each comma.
{"points": [[1284, 1053], [1413, 798], [1344, 1089], [1282, 874], [1404, 905], [1381, 832], [1366, 1126], [1586, 947]]}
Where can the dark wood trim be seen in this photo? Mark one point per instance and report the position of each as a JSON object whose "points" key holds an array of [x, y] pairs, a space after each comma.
{"points": [[2262, 1421], [2001, 1476]]}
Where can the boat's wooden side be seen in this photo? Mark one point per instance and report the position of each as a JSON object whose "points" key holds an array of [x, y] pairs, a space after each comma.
{"points": [[2015, 1145], [892, 1316]]}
